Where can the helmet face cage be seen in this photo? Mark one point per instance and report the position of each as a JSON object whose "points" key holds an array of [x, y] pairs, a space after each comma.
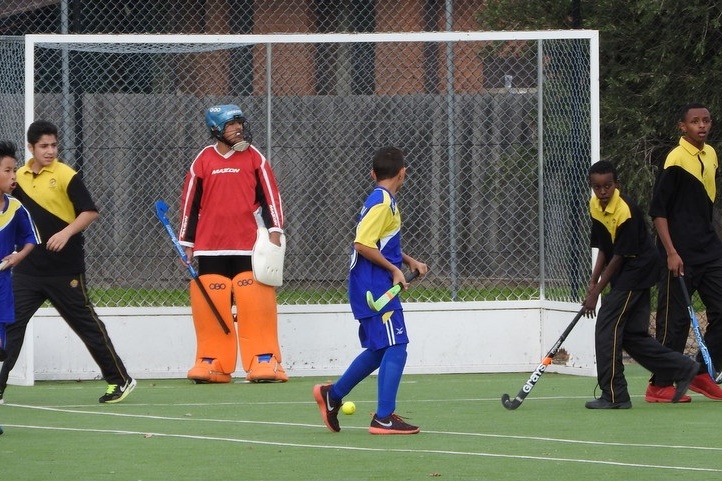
{"points": [[219, 115]]}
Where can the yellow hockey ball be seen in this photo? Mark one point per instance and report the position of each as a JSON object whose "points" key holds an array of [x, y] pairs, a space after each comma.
{"points": [[348, 407]]}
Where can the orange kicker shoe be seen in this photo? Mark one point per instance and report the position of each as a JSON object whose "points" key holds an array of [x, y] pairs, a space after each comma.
{"points": [[266, 371], [208, 371]]}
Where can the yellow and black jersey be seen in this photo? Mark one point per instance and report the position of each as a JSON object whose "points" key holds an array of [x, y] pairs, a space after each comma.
{"points": [[684, 194], [620, 229], [54, 197]]}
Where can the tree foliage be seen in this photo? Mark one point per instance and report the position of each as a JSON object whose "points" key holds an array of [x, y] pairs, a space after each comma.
{"points": [[655, 56]]}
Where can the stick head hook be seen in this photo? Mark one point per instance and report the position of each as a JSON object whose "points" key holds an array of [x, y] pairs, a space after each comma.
{"points": [[161, 208], [370, 301]]}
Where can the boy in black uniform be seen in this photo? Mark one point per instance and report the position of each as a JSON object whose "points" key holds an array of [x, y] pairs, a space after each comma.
{"points": [[681, 208], [62, 209], [628, 261]]}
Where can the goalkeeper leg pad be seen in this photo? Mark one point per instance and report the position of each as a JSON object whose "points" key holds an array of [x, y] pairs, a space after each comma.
{"points": [[216, 351], [257, 316]]}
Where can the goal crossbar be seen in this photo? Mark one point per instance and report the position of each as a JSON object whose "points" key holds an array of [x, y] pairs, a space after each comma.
{"points": [[591, 35]]}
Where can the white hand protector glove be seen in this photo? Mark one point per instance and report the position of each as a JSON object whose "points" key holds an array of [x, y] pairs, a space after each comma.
{"points": [[267, 259]]}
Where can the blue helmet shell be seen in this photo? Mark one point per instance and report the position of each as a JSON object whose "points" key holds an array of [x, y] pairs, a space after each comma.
{"points": [[219, 115]]}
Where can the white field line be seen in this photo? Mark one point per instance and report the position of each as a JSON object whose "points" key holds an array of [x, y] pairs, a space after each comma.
{"points": [[278, 423], [357, 448], [385, 450]]}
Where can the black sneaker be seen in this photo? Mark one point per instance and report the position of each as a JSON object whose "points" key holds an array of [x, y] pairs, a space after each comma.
{"points": [[393, 424], [604, 404], [683, 384], [329, 408], [116, 393]]}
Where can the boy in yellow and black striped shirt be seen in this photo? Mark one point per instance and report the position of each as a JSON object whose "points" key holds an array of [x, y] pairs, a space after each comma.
{"points": [[682, 211], [628, 262]]}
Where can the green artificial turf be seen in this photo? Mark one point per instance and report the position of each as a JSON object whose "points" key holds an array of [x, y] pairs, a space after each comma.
{"points": [[174, 430]]}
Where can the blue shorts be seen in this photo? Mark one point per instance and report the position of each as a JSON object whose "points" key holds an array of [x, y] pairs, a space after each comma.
{"points": [[383, 330]]}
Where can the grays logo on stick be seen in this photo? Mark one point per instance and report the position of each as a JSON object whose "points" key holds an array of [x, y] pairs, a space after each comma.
{"points": [[512, 404]]}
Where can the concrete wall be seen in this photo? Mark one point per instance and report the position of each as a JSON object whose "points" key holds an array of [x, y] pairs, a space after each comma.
{"points": [[321, 340]]}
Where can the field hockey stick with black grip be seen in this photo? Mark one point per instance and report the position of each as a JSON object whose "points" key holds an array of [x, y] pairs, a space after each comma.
{"points": [[716, 377], [512, 404], [378, 304], [161, 209]]}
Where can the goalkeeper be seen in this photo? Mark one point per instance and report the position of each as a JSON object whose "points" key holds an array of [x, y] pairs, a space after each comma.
{"points": [[231, 207]]}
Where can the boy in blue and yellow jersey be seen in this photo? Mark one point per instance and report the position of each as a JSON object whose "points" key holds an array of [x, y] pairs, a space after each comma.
{"points": [[18, 236], [376, 266], [681, 209], [628, 261], [62, 209]]}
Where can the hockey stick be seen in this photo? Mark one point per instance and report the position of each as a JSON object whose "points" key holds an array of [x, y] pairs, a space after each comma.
{"points": [[698, 334], [378, 304], [512, 404], [161, 208]]}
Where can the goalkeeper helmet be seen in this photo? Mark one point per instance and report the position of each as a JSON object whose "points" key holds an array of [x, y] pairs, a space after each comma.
{"points": [[219, 115]]}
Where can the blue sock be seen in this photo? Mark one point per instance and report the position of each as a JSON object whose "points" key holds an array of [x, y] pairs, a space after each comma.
{"points": [[361, 367], [390, 371]]}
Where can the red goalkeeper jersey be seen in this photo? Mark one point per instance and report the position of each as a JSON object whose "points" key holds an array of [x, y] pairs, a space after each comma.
{"points": [[225, 199]]}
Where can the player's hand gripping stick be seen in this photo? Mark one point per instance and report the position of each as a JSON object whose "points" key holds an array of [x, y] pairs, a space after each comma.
{"points": [[378, 304]]}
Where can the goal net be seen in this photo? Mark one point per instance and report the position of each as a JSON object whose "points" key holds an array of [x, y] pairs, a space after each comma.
{"points": [[498, 128]]}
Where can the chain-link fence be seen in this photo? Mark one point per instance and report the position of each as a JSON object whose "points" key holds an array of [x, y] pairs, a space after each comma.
{"points": [[477, 251], [497, 152], [20, 17]]}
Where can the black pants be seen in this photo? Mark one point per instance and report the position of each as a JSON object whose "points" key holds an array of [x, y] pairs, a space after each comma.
{"points": [[69, 295], [673, 321], [623, 324], [228, 266]]}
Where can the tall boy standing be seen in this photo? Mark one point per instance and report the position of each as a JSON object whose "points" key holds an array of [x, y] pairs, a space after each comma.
{"points": [[681, 208], [376, 266], [628, 261], [62, 209]]}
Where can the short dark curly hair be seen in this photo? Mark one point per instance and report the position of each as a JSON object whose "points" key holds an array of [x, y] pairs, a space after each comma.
{"points": [[603, 167], [8, 149]]}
